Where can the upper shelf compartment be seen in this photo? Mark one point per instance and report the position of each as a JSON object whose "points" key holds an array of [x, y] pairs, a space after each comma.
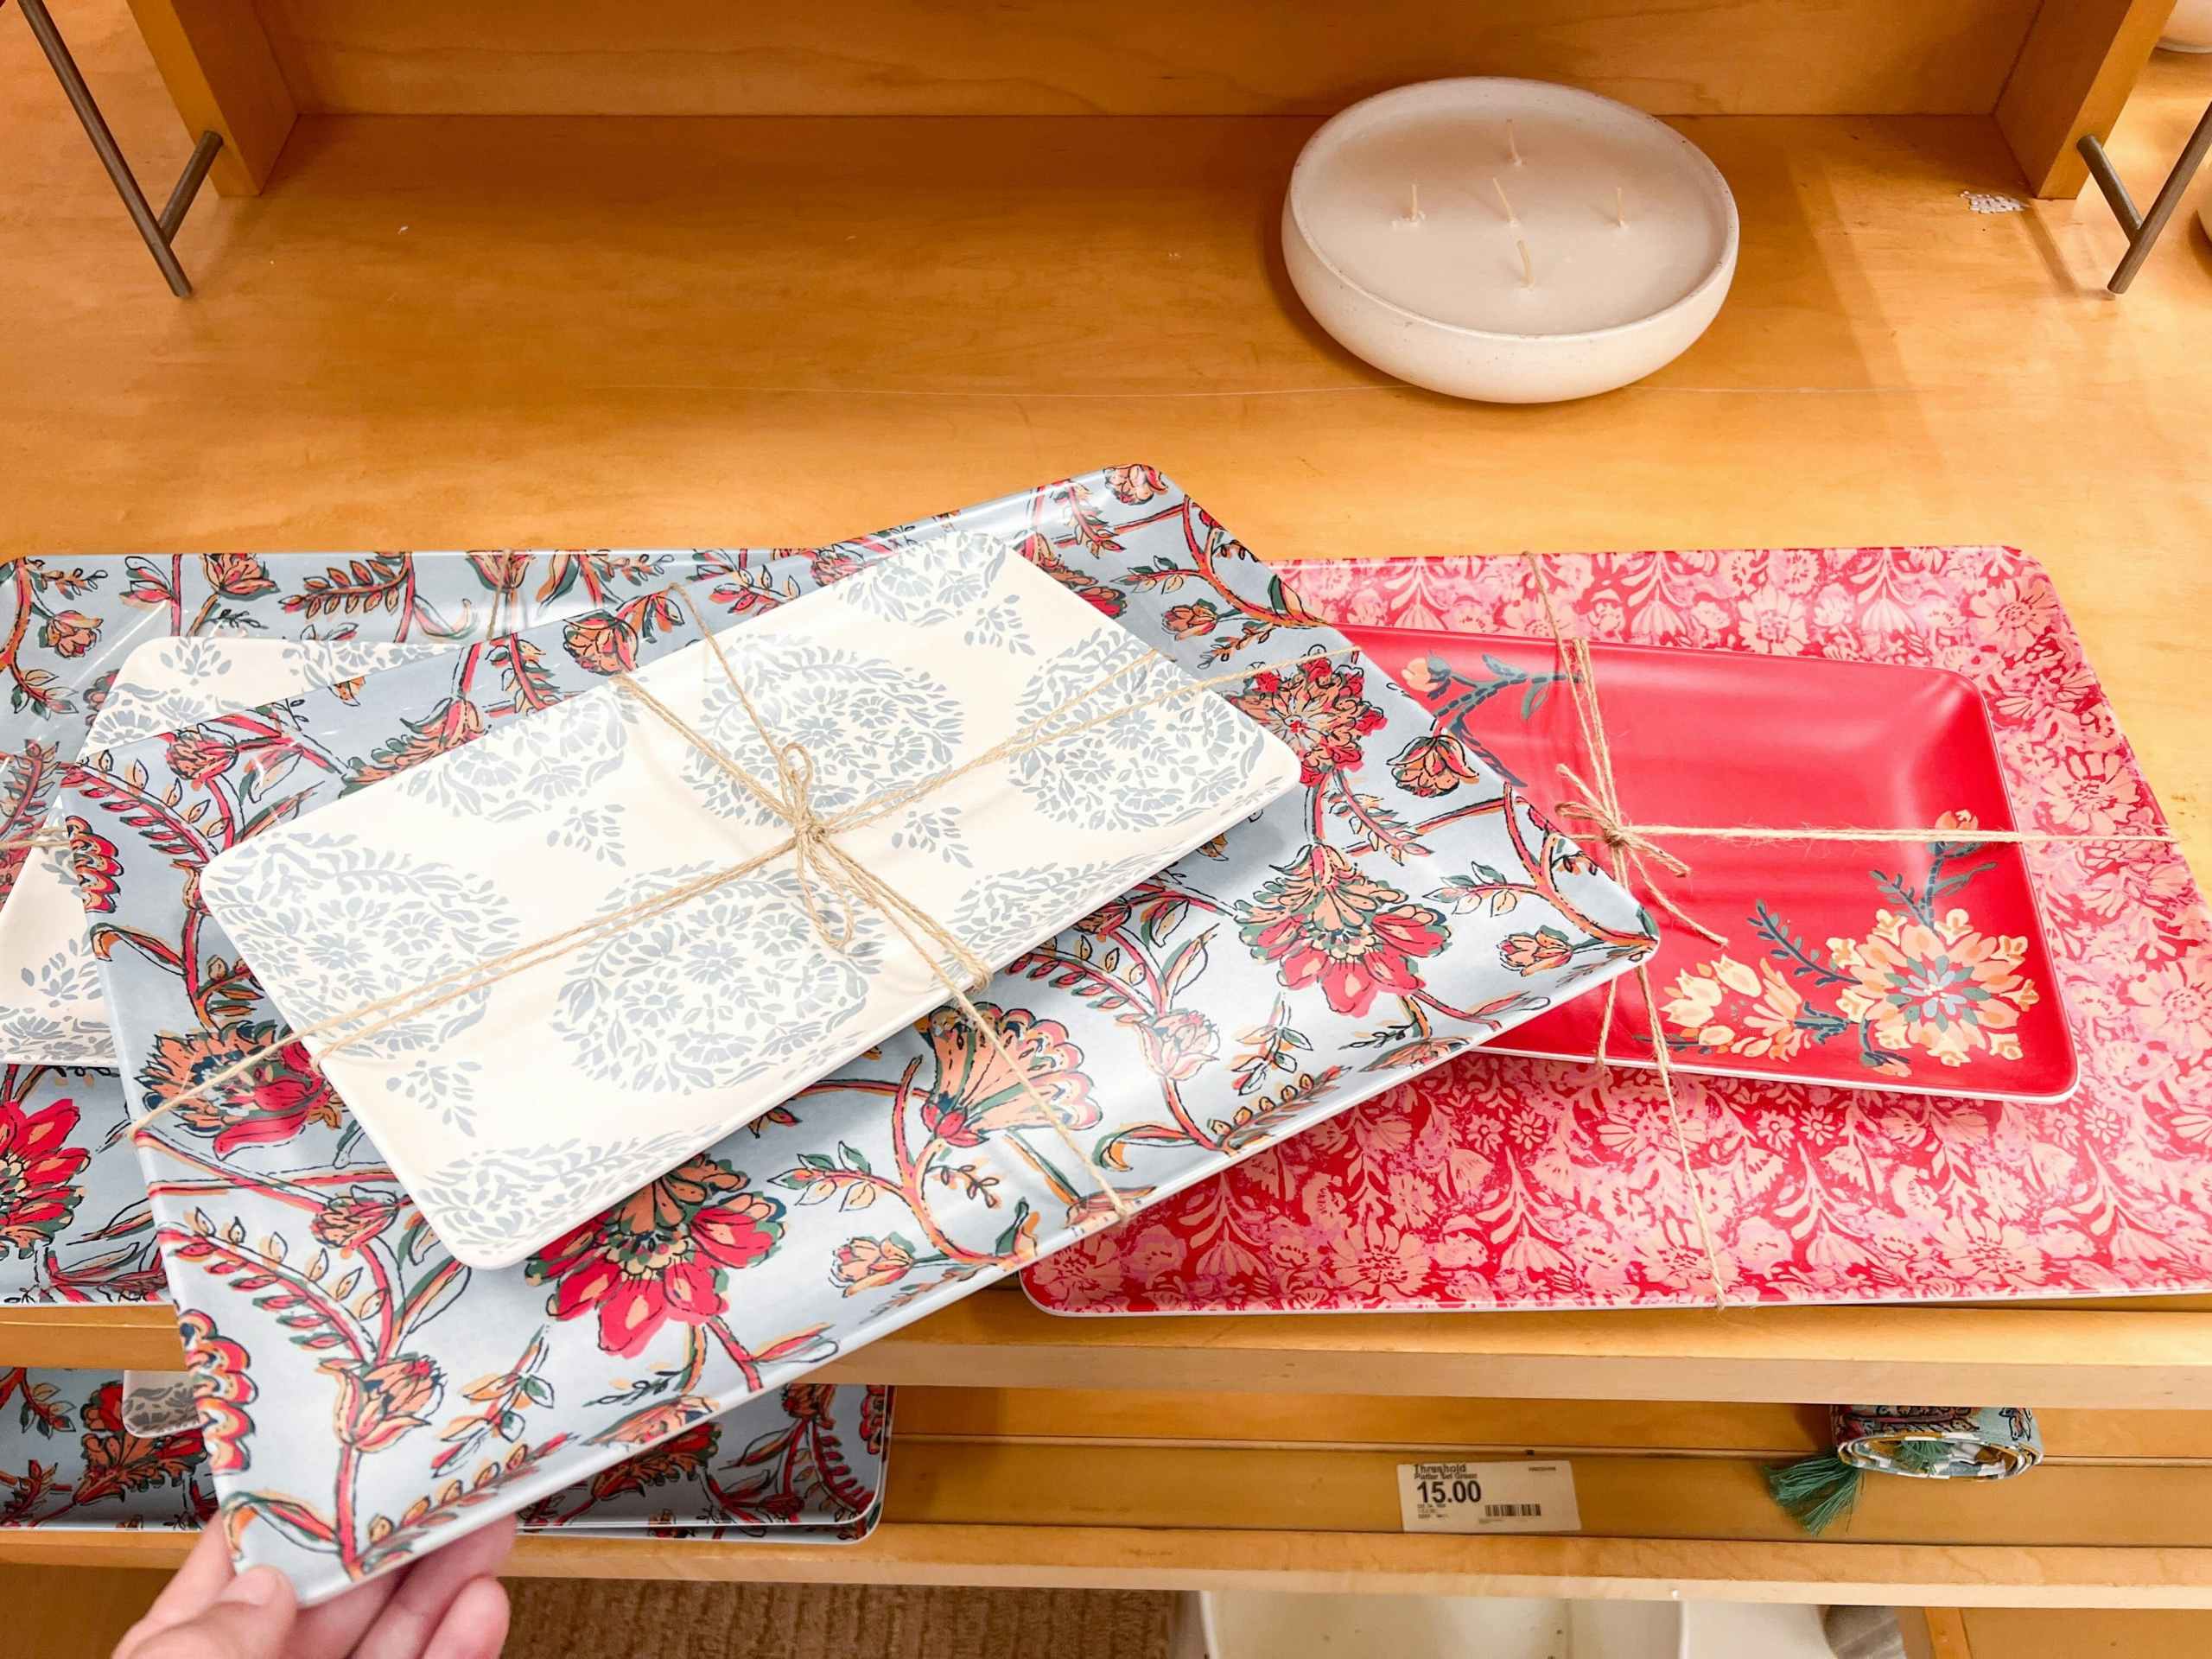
{"points": [[1137, 57]]}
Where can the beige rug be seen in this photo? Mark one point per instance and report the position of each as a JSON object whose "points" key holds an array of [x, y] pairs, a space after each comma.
{"points": [[578, 1619]]}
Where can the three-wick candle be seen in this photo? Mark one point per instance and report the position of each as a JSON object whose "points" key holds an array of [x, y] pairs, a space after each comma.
{"points": [[1508, 240]]}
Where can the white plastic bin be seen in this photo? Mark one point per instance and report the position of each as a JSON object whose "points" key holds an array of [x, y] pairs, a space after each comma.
{"points": [[1267, 1625]]}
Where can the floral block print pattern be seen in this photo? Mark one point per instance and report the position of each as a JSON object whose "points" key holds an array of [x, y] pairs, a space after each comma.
{"points": [[805, 1465], [811, 1468], [68, 1460], [1254, 988], [50, 1007], [74, 1223], [1523, 1184], [66, 625], [703, 1017]]}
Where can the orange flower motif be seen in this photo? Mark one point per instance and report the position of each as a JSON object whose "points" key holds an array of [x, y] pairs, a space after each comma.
{"points": [[657, 1422], [1539, 952], [809, 1402], [1179, 1045], [503, 573], [1767, 1029], [1946, 989], [1135, 485], [1693, 1006], [679, 1456], [351, 1219], [1109, 917], [69, 633], [1435, 764], [602, 644], [1190, 621], [977, 1094], [272, 1103], [863, 1263], [237, 575], [1425, 676], [377, 1404], [1774, 1033], [116, 1461], [198, 755]]}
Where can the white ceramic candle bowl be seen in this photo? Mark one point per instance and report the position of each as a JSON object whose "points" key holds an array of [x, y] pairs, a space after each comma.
{"points": [[2190, 29], [1565, 243]]}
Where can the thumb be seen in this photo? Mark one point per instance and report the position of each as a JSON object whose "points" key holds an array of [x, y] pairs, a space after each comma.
{"points": [[249, 1620]]}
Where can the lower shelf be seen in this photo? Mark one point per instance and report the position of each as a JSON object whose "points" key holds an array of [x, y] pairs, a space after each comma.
{"points": [[1179, 1558], [1159, 1489]]}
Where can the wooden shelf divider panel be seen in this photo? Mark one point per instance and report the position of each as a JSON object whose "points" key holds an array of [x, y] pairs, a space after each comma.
{"points": [[215, 61], [1141, 57], [2075, 69]]}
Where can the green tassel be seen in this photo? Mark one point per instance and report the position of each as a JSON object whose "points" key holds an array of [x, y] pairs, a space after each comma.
{"points": [[1817, 1492]]}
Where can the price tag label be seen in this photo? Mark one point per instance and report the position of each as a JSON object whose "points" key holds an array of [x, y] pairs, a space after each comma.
{"points": [[1487, 1497]]}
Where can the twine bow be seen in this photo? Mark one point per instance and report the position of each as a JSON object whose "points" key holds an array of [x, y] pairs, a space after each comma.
{"points": [[1635, 848], [823, 870]]}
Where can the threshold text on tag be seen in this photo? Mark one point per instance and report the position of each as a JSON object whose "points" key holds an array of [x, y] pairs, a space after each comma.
{"points": [[1487, 1497]]}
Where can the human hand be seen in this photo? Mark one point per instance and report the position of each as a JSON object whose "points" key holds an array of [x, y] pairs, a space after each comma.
{"points": [[447, 1605]]}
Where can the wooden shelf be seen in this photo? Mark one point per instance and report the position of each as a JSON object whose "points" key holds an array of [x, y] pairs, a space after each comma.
{"points": [[1103, 1489], [2116, 1356]]}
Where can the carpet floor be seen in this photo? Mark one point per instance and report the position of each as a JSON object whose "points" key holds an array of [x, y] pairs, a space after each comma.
{"points": [[618, 1618]]}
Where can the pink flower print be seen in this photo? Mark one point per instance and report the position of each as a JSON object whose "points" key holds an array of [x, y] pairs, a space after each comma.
{"points": [[1985, 1249], [1377, 1259], [1153, 1252], [2016, 613], [1776, 624], [2094, 790], [2175, 999]]}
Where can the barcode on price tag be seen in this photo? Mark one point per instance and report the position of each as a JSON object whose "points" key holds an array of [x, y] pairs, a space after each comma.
{"points": [[1487, 1497]]}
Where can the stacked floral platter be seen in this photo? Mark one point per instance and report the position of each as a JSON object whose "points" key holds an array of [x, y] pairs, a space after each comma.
{"points": [[1384, 965]]}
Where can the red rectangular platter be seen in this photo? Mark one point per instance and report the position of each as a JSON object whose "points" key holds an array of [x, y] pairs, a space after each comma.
{"points": [[1866, 965], [1504, 1182]]}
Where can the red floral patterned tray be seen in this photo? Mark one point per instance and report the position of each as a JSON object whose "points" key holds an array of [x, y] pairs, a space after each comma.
{"points": [[1495, 1182], [1908, 966]]}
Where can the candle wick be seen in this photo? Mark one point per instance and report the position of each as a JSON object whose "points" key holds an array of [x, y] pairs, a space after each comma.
{"points": [[1413, 203], [1503, 201], [1512, 144], [1528, 265], [1620, 208]]}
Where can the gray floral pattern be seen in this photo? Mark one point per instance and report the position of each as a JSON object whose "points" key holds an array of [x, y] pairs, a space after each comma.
{"points": [[867, 725], [310, 900], [999, 917], [943, 578], [177, 683], [551, 760], [442, 1089], [487, 1203], [1156, 764], [155, 1403], [715, 990]]}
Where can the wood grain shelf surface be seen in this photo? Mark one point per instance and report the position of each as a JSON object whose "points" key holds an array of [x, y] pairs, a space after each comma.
{"points": [[2047, 1355]]}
